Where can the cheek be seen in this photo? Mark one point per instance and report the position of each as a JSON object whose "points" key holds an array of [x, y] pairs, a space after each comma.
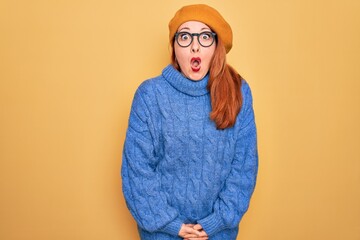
{"points": [[209, 55], [181, 56]]}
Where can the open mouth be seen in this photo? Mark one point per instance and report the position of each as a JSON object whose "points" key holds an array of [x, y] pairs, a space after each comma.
{"points": [[195, 64]]}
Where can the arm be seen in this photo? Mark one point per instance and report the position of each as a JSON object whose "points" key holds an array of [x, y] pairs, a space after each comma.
{"points": [[140, 180], [234, 198]]}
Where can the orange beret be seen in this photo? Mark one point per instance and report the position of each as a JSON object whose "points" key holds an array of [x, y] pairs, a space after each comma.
{"points": [[207, 15]]}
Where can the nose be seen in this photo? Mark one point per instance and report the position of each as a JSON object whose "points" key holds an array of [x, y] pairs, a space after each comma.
{"points": [[195, 46]]}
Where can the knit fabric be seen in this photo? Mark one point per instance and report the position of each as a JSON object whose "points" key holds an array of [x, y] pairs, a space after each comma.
{"points": [[178, 168]]}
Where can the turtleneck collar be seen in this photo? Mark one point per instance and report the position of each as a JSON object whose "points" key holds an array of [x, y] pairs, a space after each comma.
{"points": [[183, 84]]}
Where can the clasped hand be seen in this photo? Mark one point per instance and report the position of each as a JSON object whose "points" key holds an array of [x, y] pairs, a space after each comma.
{"points": [[193, 232]]}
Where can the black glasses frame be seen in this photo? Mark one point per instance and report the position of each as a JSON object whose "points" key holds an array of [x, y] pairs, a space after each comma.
{"points": [[192, 38]]}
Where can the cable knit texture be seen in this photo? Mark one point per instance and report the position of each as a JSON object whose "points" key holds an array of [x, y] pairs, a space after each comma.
{"points": [[178, 168]]}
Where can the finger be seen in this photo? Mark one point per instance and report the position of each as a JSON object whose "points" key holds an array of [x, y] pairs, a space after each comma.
{"points": [[199, 238], [203, 234], [197, 227], [190, 236], [193, 231]]}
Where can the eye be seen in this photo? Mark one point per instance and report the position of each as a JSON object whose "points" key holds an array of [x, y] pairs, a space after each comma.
{"points": [[184, 36], [206, 35]]}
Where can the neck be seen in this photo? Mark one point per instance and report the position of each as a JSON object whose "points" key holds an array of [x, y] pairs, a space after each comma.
{"points": [[185, 85]]}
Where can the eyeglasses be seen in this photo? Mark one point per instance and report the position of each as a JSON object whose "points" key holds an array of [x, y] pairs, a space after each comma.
{"points": [[205, 39]]}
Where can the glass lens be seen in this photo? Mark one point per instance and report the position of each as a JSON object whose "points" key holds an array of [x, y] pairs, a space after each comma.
{"points": [[184, 39], [206, 39]]}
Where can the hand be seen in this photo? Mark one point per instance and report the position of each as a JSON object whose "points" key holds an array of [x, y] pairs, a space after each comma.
{"points": [[194, 233], [187, 231]]}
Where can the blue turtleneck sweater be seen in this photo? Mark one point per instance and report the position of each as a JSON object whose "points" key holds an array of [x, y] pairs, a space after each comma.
{"points": [[178, 168]]}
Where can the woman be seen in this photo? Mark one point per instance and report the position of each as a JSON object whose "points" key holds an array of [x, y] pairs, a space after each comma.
{"points": [[190, 154]]}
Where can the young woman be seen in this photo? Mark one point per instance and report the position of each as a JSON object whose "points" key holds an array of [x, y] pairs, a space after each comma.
{"points": [[190, 155]]}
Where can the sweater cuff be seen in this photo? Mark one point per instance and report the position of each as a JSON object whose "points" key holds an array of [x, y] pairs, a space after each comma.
{"points": [[212, 224], [173, 228]]}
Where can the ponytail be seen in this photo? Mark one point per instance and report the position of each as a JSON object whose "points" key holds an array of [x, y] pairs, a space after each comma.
{"points": [[224, 86]]}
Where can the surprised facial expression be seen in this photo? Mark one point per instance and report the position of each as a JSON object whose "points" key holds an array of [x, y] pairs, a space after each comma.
{"points": [[194, 60]]}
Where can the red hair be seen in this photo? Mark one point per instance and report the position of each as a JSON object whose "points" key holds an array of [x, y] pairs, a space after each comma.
{"points": [[224, 86]]}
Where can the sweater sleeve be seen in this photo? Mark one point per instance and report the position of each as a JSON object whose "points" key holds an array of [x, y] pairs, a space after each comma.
{"points": [[140, 180], [234, 198]]}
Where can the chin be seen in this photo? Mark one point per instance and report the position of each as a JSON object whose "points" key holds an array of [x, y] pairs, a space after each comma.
{"points": [[195, 76]]}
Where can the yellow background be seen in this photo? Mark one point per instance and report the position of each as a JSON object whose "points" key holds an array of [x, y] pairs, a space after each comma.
{"points": [[68, 72]]}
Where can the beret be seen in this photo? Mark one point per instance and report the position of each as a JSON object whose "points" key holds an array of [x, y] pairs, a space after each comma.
{"points": [[205, 14]]}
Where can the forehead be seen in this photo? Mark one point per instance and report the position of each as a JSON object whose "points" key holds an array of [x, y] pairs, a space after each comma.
{"points": [[194, 26]]}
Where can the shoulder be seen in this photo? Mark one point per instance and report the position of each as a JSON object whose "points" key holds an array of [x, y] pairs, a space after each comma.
{"points": [[246, 92], [148, 87], [149, 84], [148, 94], [246, 114]]}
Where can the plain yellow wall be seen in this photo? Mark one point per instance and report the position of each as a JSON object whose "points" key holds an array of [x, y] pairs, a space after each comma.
{"points": [[68, 72]]}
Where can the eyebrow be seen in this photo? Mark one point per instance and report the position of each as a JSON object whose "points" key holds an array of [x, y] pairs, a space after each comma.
{"points": [[186, 28]]}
